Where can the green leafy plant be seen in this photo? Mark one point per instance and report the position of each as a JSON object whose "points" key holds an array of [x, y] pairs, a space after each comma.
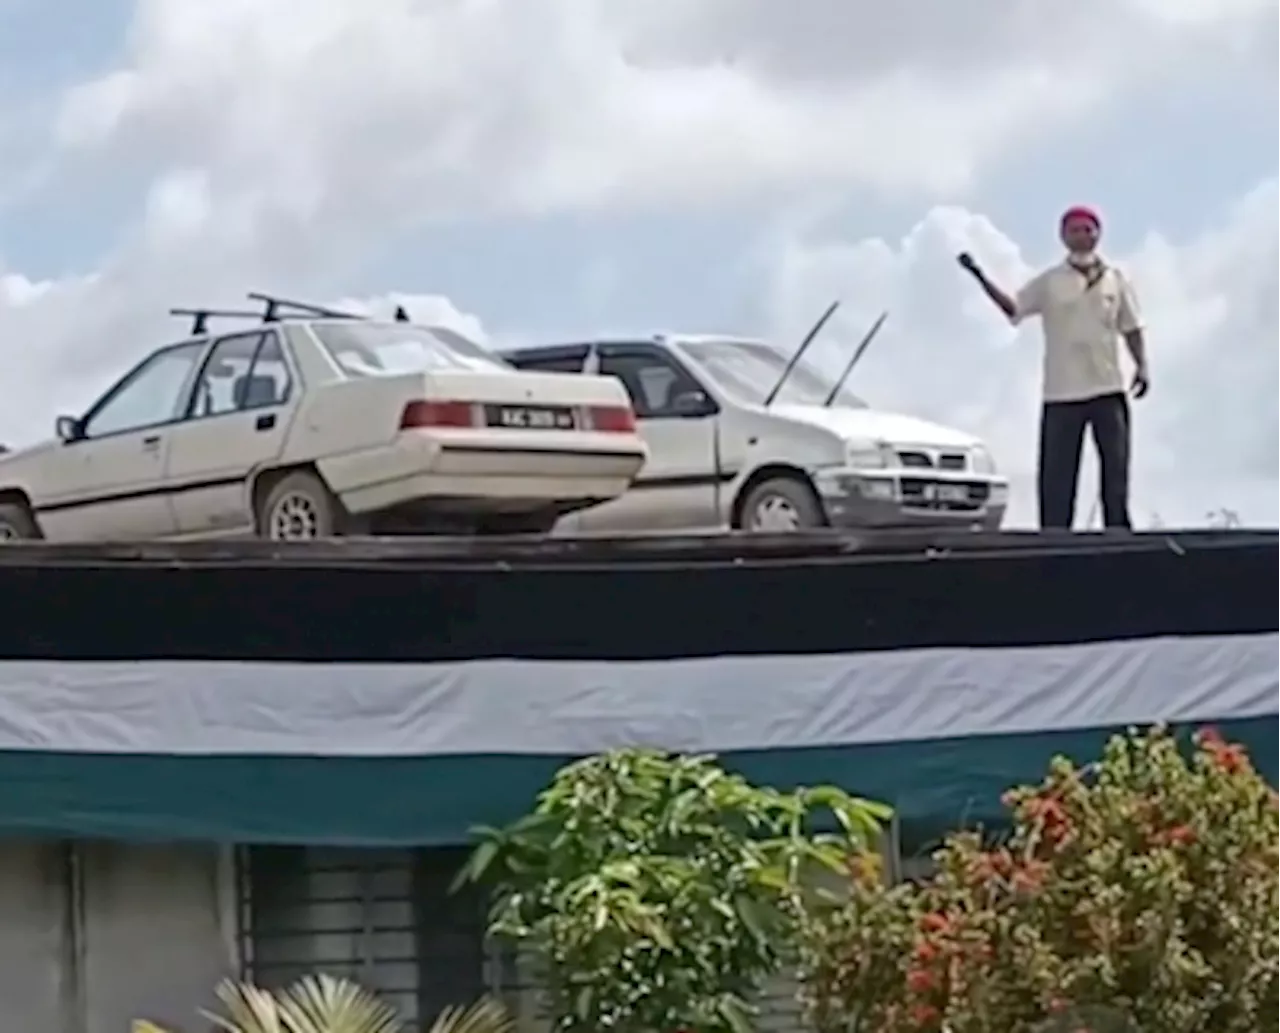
{"points": [[657, 893], [323, 1004], [1142, 889]]}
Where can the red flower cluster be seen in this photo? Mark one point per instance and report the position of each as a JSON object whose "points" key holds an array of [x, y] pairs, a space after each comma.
{"points": [[1046, 811], [1024, 875], [1230, 758], [1179, 835]]}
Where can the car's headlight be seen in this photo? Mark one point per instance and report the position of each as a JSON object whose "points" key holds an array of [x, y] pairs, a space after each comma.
{"points": [[982, 460], [867, 455]]}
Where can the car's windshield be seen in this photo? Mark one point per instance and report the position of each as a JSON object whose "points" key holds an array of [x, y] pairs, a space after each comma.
{"points": [[367, 349], [750, 369]]}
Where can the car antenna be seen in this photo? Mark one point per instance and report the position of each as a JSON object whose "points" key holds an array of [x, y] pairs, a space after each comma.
{"points": [[804, 345], [200, 316], [857, 354], [402, 315]]}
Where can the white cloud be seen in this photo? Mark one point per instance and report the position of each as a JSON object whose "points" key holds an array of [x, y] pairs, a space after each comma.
{"points": [[1205, 437], [578, 103]]}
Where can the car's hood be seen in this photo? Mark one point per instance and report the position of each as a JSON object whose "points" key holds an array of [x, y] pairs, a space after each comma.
{"points": [[871, 425], [29, 452]]}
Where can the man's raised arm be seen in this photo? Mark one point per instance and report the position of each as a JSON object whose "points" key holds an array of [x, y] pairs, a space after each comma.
{"points": [[1013, 309]]}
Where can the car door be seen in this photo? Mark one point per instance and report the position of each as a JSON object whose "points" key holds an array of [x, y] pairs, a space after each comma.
{"points": [[239, 414], [106, 481], [679, 485]]}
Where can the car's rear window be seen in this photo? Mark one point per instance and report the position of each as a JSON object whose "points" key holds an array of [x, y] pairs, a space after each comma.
{"points": [[366, 349]]}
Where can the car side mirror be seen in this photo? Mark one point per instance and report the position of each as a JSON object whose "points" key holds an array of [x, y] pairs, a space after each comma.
{"points": [[692, 403], [68, 429]]}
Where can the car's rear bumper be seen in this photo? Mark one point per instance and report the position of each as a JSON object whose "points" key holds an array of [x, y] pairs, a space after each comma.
{"points": [[911, 498], [482, 476]]}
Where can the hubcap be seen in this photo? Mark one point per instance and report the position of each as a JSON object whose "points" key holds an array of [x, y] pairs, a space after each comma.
{"points": [[775, 513], [295, 517], [9, 533]]}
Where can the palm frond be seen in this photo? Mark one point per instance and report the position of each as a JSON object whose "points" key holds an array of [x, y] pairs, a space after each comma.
{"points": [[247, 1009], [486, 1016], [323, 1004], [314, 1004]]}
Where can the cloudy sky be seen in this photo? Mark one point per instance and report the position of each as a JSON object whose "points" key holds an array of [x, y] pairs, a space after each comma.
{"points": [[536, 169]]}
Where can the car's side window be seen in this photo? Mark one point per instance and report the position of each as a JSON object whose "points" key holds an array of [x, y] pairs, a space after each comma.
{"points": [[270, 382], [154, 393], [555, 363], [653, 381], [243, 371]]}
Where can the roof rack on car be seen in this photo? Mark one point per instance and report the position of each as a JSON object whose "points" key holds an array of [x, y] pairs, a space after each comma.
{"points": [[276, 308], [200, 316], [273, 310]]}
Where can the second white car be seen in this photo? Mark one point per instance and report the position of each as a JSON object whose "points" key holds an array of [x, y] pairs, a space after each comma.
{"points": [[728, 449]]}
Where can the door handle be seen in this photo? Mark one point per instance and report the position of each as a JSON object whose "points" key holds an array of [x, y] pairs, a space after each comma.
{"points": [[265, 422], [151, 442]]}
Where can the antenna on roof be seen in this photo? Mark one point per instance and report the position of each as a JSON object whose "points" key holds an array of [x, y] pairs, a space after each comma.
{"points": [[858, 352], [402, 314], [272, 306], [200, 316], [804, 345]]}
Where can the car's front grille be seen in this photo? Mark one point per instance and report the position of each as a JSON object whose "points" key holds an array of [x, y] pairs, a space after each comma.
{"points": [[920, 459], [944, 496]]}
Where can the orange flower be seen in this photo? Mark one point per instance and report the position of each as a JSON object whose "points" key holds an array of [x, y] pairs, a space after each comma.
{"points": [[926, 952], [1180, 835], [921, 981], [935, 922], [1231, 759], [1209, 737], [1030, 877]]}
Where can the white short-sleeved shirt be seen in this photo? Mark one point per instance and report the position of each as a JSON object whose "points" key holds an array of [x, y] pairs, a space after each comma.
{"points": [[1083, 322]]}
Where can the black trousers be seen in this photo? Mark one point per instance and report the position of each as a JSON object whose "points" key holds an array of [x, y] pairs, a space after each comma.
{"points": [[1062, 427]]}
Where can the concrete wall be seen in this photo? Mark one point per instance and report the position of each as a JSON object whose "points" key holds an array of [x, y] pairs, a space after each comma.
{"points": [[95, 935]]}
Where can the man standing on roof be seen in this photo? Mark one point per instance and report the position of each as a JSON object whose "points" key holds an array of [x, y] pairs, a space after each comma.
{"points": [[1085, 306]]}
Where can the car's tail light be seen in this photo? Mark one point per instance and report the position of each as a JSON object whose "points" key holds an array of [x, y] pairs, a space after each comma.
{"points": [[425, 413], [613, 419]]}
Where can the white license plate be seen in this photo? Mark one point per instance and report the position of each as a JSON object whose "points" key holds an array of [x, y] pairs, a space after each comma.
{"points": [[949, 493], [521, 417]]}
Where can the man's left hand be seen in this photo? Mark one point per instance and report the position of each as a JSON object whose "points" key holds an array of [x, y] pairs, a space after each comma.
{"points": [[1141, 382]]}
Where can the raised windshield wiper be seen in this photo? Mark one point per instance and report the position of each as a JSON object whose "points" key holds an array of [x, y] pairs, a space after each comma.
{"points": [[808, 340], [857, 354]]}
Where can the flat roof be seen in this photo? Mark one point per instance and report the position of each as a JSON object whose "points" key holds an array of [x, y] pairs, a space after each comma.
{"points": [[635, 550]]}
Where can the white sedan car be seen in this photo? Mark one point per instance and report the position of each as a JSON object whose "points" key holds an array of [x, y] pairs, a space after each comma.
{"points": [[724, 452], [305, 428]]}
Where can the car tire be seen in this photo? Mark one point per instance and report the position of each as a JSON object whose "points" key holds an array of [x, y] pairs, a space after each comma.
{"points": [[16, 523], [299, 507], [781, 504]]}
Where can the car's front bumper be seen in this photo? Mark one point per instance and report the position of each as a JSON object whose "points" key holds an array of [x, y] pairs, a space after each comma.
{"points": [[911, 497]]}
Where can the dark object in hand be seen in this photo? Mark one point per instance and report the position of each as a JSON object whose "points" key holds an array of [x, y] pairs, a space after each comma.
{"points": [[967, 263]]}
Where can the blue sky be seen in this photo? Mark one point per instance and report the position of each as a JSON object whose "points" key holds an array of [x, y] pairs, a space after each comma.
{"points": [[539, 176]]}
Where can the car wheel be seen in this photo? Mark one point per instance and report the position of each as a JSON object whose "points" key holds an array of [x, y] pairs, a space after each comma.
{"points": [[298, 508], [781, 504], [16, 523]]}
